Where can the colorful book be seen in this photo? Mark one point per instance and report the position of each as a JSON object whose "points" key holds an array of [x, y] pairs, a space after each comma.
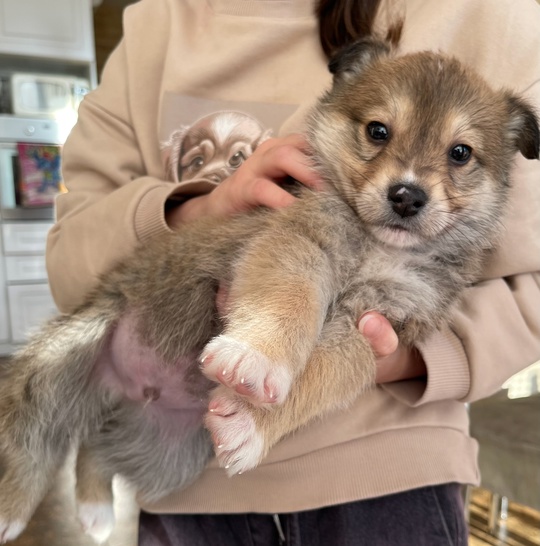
{"points": [[40, 176]]}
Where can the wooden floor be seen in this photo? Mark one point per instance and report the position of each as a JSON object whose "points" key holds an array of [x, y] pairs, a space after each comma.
{"points": [[521, 528]]}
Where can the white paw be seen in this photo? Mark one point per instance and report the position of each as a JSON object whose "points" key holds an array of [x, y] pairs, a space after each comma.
{"points": [[10, 530], [238, 444], [97, 519], [250, 373]]}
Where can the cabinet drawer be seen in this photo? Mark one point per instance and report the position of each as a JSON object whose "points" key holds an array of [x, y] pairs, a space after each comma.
{"points": [[47, 28], [25, 237], [4, 322], [29, 306], [26, 268]]}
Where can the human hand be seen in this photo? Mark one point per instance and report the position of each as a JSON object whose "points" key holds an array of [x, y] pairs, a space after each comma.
{"points": [[394, 361], [255, 183]]}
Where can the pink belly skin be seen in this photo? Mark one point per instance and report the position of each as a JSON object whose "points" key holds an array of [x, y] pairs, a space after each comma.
{"points": [[135, 372]]}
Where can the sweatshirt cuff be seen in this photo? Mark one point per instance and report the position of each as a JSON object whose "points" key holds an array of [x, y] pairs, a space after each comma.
{"points": [[150, 212], [448, 375]]}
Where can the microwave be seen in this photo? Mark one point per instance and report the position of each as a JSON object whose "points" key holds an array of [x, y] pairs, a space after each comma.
{"points": [[27, 94]]}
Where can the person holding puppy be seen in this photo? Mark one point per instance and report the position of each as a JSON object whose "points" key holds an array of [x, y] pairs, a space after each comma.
{"points": [[388, 470]]}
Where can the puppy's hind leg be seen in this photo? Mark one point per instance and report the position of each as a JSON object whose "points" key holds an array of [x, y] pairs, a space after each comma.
{"points": [[279, 296], [94, 494], [155, 450], [47, 402], [341, 367]]}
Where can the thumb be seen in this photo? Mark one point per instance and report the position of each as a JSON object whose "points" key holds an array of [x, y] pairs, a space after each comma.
{"points": [[379, 333]]}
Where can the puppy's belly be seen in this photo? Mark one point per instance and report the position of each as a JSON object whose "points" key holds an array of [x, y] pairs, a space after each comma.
{"points": [[136, 372]]}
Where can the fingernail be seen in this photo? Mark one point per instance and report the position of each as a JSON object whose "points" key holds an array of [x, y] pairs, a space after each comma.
{"points": [[369, 325]]}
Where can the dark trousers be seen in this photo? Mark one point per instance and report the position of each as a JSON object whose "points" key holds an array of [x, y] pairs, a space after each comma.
{"points": [[429, 516]]}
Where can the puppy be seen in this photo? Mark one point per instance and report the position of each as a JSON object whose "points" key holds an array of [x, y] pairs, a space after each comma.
{"points": [[213, 147], [416, 153]]}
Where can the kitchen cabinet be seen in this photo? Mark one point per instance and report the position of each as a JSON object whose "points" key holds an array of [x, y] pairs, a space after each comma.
{"points": [[55, 38], [4, 321], [29, 306], [25, 237], [59, 29], [26, 268], [25, 298]]}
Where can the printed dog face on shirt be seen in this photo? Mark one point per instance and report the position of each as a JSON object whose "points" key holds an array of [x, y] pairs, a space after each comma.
{"points": [[213, 147]]}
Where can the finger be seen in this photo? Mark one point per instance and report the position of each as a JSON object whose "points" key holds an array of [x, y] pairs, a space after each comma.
{"points": [[288, 156], [296, 140], [285, 160], [379, 333], [266, 193]]}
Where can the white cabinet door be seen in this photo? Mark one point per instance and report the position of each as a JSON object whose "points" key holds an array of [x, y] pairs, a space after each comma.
{"points": [[29, 306], [4, 324], [25, 237], [61, 29], [26, 268]]}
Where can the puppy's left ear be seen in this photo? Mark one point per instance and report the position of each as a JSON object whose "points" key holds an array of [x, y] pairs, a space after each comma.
{"points": [[353, 59], [524, 127]]}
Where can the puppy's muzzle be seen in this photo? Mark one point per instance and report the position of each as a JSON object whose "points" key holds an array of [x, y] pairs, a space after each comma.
{"points": [[406, 199]]}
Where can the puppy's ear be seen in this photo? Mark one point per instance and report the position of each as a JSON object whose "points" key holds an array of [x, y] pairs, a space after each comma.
{"points": [[170, 153], [353, 59], [524, 127]]}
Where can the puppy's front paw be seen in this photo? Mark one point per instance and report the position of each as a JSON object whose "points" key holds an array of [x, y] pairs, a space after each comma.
{"points": [[10, 530], [97, 520], [249, 372], [238, 443]]}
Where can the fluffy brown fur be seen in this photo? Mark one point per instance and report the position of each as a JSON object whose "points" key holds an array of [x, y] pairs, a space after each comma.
{"points": [[403, 227]]}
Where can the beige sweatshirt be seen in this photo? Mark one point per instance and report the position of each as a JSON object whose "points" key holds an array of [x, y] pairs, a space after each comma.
{"points": [[183, 59]]}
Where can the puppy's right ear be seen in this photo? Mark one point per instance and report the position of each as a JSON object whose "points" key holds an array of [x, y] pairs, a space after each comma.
{"points": [[353, 59], [524, 127]]}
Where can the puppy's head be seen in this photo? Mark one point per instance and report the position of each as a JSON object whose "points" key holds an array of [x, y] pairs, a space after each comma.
{"points": [[419, 145]]}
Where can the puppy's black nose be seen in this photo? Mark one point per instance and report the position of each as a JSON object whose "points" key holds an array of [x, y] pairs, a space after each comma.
{"points": [[406, 199]]}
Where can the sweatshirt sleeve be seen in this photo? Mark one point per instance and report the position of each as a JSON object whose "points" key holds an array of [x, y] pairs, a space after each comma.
{"points": [[495, 331], [114, 176]]}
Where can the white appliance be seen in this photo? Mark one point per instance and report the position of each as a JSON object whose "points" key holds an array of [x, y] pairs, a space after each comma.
{"points": [[31, 130], [25, 299], [32, 94]]}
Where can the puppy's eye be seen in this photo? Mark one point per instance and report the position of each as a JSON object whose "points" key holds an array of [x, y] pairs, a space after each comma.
{"points": [[196, 163], [237, 159], [378, 131], [461, 153]]}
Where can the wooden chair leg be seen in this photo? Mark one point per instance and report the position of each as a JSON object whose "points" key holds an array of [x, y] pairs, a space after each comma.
{"points": [[498, 514], [467, 502], [494, 512]]}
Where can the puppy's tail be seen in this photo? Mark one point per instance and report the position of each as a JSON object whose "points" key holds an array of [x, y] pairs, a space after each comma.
{"points": [[46, 403]]}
